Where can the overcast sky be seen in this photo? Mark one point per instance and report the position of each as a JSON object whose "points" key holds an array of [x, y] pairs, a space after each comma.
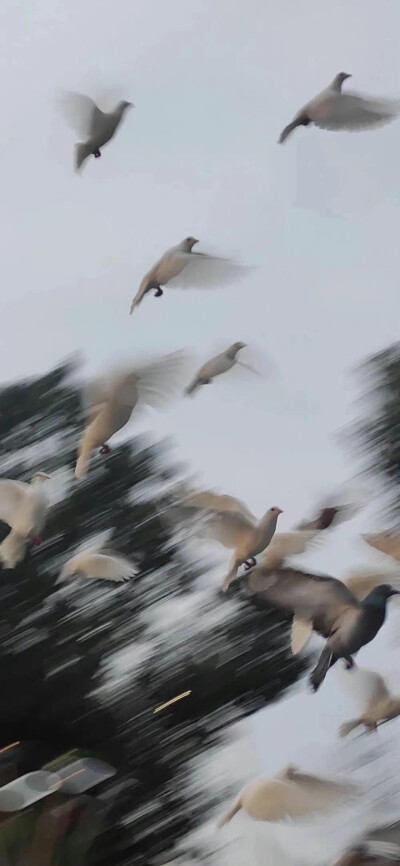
{"points": [[213, 83]]}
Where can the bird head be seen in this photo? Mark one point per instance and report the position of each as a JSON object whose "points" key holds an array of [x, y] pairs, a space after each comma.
{"points": [[339, 79], [123, 105], [238, 346], [380, 594], [188, 244], [40, 476]]}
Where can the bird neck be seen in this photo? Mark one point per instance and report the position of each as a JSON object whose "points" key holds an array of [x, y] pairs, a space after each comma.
{"points": [[374, 603], [267, 521], [231, 352], [337, 84]]}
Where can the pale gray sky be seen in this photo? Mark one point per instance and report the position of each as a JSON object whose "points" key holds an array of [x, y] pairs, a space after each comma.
{"points": [[213, 83]]}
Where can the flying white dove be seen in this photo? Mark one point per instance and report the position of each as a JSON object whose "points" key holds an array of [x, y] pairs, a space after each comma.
{"points": [[95, 561], [378, 703], [234, 526], [182, 268], [216, 366], [289, 794], [23, 506], [334, 110], [111, 401], [95, 126]]}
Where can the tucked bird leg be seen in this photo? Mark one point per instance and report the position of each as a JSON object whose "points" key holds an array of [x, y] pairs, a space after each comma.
{"points": [[347, 727], [158, 292], [250, 562], [105, 449], [96, 153], [36, 539], [349, 663]]}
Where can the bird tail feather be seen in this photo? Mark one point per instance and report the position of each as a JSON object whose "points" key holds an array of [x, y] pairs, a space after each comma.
{"points": [[236, 807], [82, 463], [82, 151], [194, 386], [12, 549]]}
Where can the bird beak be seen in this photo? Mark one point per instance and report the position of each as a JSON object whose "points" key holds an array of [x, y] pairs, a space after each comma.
{"points": [[348, 75], [195, 241], [395, 592], [280, 511]]}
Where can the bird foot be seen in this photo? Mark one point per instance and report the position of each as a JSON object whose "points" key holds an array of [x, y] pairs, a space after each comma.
{"points": [[348, 664], [36, 539], [105, 449], [159, 292], [96, 153], [250, 563]]}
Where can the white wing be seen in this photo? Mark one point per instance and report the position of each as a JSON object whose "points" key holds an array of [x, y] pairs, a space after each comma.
{"points": [[159, 381], [362, 582], [82, 113], [353, 112], [208, 272], [385, 543], [209, 501], [100, 565], [13, 496], [286, 544]]}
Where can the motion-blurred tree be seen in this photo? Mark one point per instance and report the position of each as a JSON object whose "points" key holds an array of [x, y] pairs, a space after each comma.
{"points": [[377, 432], [86, 663]]}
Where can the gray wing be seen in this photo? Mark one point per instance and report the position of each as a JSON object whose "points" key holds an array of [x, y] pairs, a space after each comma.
{"points": [[308, 596], [352, 112], [81, 113]]}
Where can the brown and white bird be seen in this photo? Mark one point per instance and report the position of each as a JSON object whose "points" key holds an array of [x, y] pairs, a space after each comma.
{"points": [[371, 691], [181, 268], [96, 127], [289, 794], [216, 366], [334, 110], [23, 507], [112, 399], [329, 607], [229, 521]]}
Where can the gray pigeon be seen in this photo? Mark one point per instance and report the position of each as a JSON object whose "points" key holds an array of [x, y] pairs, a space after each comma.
{"points": [[96, 127], [335, 613], [334, 110]]}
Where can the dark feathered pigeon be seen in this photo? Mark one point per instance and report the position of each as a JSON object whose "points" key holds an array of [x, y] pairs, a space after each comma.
{"points": [[330, 608]]}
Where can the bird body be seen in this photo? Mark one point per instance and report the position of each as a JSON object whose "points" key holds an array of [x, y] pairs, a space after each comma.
{"points": [[327, 604], [234, 526], [215, 367], [98, 127], [23, 506], [183, 268], [334, 110], [379, 704], [94, 564], [111, 401], [290, 794]]}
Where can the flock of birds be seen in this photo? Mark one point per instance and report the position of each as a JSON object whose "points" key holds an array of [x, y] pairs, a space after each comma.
{"points": [[347, 614]]}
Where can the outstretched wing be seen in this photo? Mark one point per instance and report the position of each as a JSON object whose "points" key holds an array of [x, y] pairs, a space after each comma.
{"points": [[286, 544], [386, 543], [208, 272], [353, 112], [81, 113], [308, 596]]}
